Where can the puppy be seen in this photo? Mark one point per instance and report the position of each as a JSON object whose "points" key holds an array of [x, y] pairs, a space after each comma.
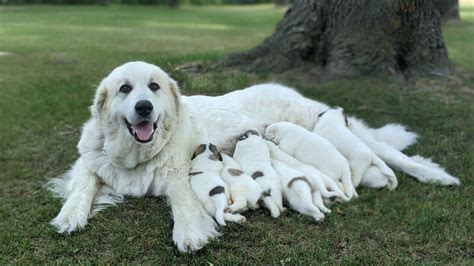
{"points": [[332, 125], [209, 188], [297, 190], [314, 150], [252, 153], [244, 191], [321, 184]]}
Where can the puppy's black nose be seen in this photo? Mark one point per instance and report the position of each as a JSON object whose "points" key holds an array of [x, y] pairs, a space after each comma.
{"points": [[144, 107]]}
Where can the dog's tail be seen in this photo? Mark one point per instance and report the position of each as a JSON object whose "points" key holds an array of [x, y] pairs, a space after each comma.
{"points": [[395, 135], [423, 172], [220, 202]]}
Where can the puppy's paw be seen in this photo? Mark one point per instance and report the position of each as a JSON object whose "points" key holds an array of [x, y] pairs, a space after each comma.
{"points": [[192, 234], [69, 220], [317, 216]]}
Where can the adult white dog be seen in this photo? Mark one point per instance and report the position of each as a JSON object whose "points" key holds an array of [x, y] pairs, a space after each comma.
{"points": [[142, 134]]}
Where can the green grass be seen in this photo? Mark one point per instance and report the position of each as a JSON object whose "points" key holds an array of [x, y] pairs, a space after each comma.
{"points": [[61, 53]]}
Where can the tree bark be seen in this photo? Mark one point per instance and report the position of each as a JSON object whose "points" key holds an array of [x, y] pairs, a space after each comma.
{"points": [[353, 37], [449, 9]]}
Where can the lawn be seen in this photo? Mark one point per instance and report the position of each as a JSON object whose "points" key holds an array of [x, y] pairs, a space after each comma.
{"points": [[58, 56]]}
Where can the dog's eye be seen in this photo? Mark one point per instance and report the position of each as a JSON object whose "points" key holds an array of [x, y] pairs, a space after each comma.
{"points": [[125, 88], [154, 86]]}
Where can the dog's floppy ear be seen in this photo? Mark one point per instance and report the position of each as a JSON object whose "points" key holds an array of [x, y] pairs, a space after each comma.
{"points": [[174, 91], [99, 100]]}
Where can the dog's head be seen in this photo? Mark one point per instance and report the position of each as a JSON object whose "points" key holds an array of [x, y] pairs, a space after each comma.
{"points": [[137, 98], [137, 107]]}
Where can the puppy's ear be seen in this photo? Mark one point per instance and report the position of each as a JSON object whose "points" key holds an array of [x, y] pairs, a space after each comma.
{"points": [[200, 149], [345, 118], [216, 153], [99, 100]]}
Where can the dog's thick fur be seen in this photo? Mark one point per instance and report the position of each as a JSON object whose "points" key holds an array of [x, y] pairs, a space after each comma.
{"points": [[113, 164]]}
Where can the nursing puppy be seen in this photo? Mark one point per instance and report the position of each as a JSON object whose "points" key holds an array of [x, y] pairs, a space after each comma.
{"points": [[252, 153], [332, 125], [314, 150], [244, 191], [297, 190], [209, 188], [321, 184]]}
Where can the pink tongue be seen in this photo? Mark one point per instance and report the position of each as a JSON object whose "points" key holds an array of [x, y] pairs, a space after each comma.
{"points": [[143, 130]]}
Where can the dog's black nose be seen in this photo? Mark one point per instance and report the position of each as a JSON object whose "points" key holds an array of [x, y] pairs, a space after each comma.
{"points": [[144, 107]]}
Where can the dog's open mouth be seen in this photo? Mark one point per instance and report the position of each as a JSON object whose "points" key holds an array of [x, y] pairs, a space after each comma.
{"points": [[143, 131]]}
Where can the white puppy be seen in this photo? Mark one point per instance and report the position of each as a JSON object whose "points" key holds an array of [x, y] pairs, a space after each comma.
{"points": [[297, 190], [208, 186], [244, 191], [332, 125], [314, 150], [252, 153], [321, 184]]}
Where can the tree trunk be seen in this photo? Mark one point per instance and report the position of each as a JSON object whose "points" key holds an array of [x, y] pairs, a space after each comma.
{"points": [[173, 3], [449, 9], [353, 37]]}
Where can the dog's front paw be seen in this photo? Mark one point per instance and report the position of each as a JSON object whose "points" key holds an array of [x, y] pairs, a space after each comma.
{"points": [[192, 234], [69, 219]]}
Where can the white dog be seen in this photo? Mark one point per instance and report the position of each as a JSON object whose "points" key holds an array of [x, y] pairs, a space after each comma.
{"points": [[252, 153], [142, 134], [245, 192], [332, 125], [314, 150], [297, 190], [208, 186]]}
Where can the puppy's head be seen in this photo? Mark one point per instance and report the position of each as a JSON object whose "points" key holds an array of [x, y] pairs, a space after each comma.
{"points": [[206, 157], [275, 131], [208, 151], [247, 134], [137, 98], [334, 115]]}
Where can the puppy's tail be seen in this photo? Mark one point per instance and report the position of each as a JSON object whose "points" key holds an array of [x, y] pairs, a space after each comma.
{"points": [[395, 135], [220, 202], [423, 172]]}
